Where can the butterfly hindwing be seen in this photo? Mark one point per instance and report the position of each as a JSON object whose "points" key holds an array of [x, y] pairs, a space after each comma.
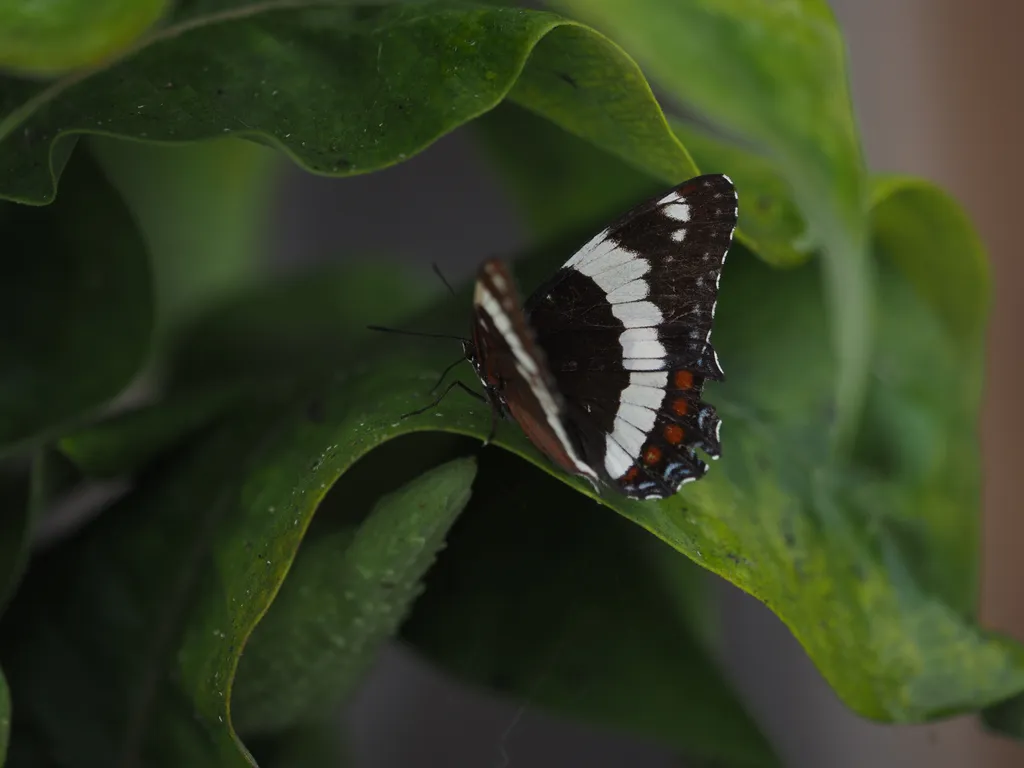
{"points": [[626, 323]]}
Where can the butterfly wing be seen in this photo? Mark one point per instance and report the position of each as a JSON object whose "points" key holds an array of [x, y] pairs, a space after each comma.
{"points": [[625, 326], [515, 372]]}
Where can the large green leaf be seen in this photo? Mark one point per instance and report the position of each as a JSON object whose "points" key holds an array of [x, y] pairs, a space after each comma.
{"points": [[568, 607], [75, 306], [49, 38], [869, 558], [349, 589], [909, 498], [930, 237], [773, 75], [254, 345], [175, 577], [772, 222], [342, 90], [845, 555]]}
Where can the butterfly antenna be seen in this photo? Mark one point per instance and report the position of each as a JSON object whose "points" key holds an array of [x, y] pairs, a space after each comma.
{"points": [[437, 271], [404, 332]]}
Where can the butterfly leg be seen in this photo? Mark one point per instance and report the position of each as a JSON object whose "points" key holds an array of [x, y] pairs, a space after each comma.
{"points": [[445, 372], [442, 396]]}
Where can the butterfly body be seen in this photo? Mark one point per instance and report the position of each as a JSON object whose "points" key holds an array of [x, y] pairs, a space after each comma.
{"points": [[603, 367]]}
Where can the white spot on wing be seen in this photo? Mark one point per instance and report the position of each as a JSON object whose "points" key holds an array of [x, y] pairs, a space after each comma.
{"points": [[643, 364], [643, 349], [679, 235], [640, 417], [642, 343], [634, 290], [658, 380], [629, 437], [503, 324], [637, 314], [678, 211], [634, 419], [588, 247], [616, 460], [620, 274], [632, 335], [604, 255], [648, 397]]}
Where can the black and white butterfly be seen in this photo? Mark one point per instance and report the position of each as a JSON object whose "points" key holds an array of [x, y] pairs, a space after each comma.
{"points": [[604, 366]]}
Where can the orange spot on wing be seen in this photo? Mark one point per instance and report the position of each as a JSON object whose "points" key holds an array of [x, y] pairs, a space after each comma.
{"points": [[674, 434], [631, 474], [683, 379], [652, 455], [680, 406]]}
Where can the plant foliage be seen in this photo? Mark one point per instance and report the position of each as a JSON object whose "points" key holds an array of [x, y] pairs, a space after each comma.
{"points": [[850, 323]]}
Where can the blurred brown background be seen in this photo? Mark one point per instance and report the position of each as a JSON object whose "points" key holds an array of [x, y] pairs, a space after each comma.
{"points": [[936, 85]]}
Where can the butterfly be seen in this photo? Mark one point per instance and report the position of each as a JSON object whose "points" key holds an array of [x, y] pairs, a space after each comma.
{"points": [[604, 365]]}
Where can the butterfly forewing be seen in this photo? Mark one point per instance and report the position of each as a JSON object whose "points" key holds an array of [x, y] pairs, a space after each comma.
{"points": [[625, 328], [515, 371]]}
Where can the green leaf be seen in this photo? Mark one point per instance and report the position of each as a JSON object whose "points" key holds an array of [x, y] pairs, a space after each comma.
{"points": [[300, 323], [127, 441], [928, 235], [345, 596], [910, 497], [922, 234], [570, 608], [251, 347], [342, 90], [52, 37], [773, 75], [842, 553], [826, 544], [75, 303], [772, 223], [203, 211], [867, 557], [175, 577], [560, 182]]}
